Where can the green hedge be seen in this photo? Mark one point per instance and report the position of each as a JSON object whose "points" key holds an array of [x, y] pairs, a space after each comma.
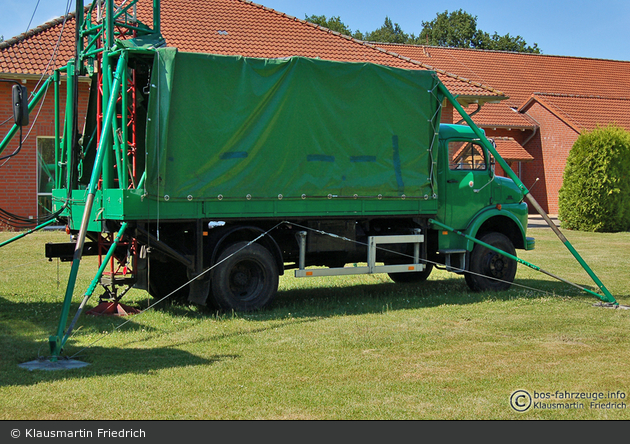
{"points": [[595, 193]]}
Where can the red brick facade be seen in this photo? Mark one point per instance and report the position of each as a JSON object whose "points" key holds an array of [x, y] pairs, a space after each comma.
{"points": [[18, 174], [550, 148]]}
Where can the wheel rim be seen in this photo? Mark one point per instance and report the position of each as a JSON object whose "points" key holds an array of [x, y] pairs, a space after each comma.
{"points": [[246, 280], [497, 266]]}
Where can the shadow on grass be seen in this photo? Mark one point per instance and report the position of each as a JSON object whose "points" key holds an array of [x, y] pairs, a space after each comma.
{"points": [[25, 327], [390, 296], [109, 361], [325, 301], [22, 323]]}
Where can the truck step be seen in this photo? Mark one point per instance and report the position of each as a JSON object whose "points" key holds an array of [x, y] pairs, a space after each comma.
{"points": [[448, 254]]}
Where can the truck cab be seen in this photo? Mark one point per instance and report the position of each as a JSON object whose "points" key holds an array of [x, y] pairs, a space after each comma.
{"points": [[474, 201]]}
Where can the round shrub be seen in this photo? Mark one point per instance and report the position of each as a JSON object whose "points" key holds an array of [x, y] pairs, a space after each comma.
{"points": [[595, 192]]}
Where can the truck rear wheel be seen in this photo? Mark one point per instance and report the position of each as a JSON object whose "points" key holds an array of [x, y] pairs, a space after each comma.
{"points": [[246, 280], [499, 269], [412, 278]]}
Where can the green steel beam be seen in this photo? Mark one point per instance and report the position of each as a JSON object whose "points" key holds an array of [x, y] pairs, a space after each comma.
{"points": [[68, 128], [609, 297], [56, 112], [90, 290], [520, 261], [124, 124], [79, 17], [55, 342], [156, 16], [26, 233], [102, 161]]}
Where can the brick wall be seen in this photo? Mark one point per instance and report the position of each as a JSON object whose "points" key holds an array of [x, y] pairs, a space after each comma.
{"points": [[519, 136], [18, 175], [447, 113], [550, 148]]}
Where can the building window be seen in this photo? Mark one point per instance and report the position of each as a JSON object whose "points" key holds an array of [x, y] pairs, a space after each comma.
{"points": [[45, 175]]}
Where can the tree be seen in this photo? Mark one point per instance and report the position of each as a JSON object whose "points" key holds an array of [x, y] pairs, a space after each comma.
{"points": [[595, 192], [333, 23], [508, 43], [458, 29], [388, 33]]}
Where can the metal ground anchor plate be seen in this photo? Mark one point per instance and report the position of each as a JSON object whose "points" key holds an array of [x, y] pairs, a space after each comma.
{"points": [[610, 305], [47, 364]]}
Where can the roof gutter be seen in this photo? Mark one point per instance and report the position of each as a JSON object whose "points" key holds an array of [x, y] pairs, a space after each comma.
{"points": [[466, 100], [35, 77]]}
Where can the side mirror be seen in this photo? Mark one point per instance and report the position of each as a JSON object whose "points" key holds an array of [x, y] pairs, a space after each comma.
{"points": [[20, 105]]}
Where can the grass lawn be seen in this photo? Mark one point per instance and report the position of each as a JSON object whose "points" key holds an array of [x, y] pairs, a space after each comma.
{"points": [[358, 347]]}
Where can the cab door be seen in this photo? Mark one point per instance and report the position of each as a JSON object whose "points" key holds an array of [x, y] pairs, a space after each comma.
{"points": [[466, 181]]}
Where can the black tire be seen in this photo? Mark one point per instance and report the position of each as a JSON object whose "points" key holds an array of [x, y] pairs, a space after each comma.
{"points": [[166, 277], [247, 280], [412, 278], [485, 262]]}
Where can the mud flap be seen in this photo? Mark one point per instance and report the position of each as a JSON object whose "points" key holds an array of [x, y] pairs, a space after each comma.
{"points": [[199, 289]]}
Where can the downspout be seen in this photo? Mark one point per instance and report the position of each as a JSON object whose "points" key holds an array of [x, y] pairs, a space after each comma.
{"points": [[534, 132], [535, 129], [471, 114], [531, 136]]}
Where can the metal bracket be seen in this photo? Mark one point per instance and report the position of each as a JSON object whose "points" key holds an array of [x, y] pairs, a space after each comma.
{"points": [[373, 242]]}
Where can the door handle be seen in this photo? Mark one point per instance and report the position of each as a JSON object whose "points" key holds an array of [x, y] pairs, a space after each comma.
{"points": [[451, 181]]}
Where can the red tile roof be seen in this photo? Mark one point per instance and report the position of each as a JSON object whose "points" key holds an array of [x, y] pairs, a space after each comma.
{"points": [[231, 27], [519, 75], [511, 150], [501, 115], [508, 148], [585, 112], [40, 50]]}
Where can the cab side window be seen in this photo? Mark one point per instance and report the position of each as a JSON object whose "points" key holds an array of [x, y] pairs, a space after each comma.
{"points": [[466, 155]]}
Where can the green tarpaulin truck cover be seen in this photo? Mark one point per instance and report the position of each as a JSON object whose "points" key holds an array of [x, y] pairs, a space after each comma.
{"points": [[240, 128]]}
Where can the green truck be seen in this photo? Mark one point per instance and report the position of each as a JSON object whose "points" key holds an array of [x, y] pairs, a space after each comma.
{"points": [[205, 177], [242, 169]]}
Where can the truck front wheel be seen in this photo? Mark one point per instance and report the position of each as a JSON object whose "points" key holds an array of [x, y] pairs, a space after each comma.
{"points": [[488, 269], [245, 279]]}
